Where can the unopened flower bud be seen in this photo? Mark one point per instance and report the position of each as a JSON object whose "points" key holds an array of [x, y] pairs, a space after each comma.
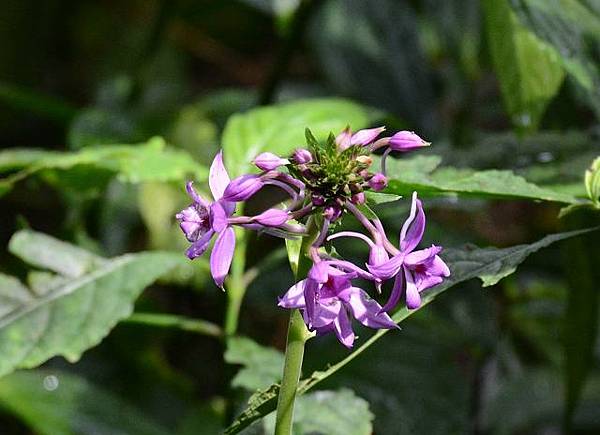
{"points": [[366, 136], [343, 139], [332, 212], [302, 156], [269, 161], [272, 217], [378, 182], [406, 141], [358, 198], [242, 188], [365, 160], [317, 200]]}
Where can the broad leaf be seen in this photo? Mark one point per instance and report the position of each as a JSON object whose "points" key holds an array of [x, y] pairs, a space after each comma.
{"points": [[329, 413], [528, 68], [150, 161], [423, 175], [57, 403], [75, 312], [262, 366], [280, 129], [488, 264]]}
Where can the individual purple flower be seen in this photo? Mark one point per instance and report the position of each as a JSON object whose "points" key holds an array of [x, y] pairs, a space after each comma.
{"points": [[332, 299], [415, 270], [406, 141], [203, 219], [269, 161]]}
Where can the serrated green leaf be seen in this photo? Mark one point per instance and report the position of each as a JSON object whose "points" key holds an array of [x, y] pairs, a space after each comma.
{"points": [[78, 312], [465, 264], [58, 403], [280, 129], [529, 69], [262, 365], [422, 174], [329, 413]]}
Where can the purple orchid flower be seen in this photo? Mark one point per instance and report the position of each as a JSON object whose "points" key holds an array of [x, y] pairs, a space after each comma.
{"points": [[203, 219], [420, 270], [331, 300]]}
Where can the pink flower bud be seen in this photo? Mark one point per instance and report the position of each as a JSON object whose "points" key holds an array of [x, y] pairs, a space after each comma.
{"points": [[366, 136], [272, 217], [242, 188], [406, 141], [269, 161], [302, 156], [358, 198], [378, 182], [332, 212], [343, 139], [317, 200]]}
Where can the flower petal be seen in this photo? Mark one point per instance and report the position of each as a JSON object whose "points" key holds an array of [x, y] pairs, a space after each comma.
{"points": [[221, 256], [343, 329], [319, 272], [422, 256], [243, 187], [366, 136], [189, 187], [218, 217], [325, 314], [310, 295], [424, 282], [396, 293], [200, 245], [438, 267], [294, 297], [218, 178], [413, 299], [414, 227], [387, 269], [367, 311]]}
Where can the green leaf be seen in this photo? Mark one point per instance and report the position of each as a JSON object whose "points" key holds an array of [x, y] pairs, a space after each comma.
{"points": [[46, 252], [293, 247], [529, 69], [78, 311], [488, 264], [329, 413], [149, 161], [376, 198], [420, 174], [280, 129], [262, 366], [57, 403]]}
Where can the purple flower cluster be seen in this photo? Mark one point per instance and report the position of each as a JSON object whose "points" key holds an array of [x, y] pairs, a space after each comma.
{"points": [[323, 182]]}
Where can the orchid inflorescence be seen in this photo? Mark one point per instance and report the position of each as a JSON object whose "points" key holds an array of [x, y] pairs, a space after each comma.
{"points": [[324, 181]]}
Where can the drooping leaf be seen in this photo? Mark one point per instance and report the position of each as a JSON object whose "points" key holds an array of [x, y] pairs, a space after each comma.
{"points": [[149, 161], [58, 403], [262, 366], [280, 128], [329, 413], [488, 264], [43, 251], [423, 175], [77, 312], [528, 68]]}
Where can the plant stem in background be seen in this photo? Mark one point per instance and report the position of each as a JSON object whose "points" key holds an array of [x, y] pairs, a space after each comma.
{"points": [[236, 287]]}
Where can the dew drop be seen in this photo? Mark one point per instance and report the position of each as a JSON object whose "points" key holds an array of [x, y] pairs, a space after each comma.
{"points": [[50, 383]]}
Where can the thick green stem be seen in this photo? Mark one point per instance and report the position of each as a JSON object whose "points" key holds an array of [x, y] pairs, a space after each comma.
{"points": [[294, 349], [294, 354]]}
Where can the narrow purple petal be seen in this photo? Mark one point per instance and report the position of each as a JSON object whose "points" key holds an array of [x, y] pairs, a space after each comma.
{"points": [[319, 272], [221, 256], [200, 245], [367, 311], [326, 313], [438, 267], [414, 227], [294, 297], [343, 329], [378, 255], [424, 282], [366, 136], [189, 187], [218, 217], [310, 294], [242, 188], [388, 269], [413, 299], [422, 256], [218, 178], [395, 294], [272, 217]]}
